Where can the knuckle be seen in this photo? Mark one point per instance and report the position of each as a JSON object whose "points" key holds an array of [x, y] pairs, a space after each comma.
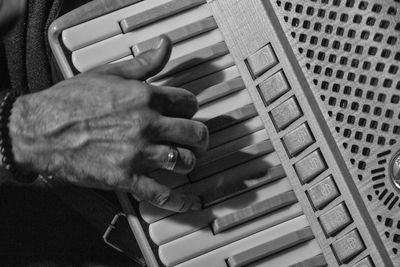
{"points": [[145, 95]]}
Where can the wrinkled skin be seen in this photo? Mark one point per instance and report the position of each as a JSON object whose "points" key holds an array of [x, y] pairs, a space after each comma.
{"points": [[107, 129]]}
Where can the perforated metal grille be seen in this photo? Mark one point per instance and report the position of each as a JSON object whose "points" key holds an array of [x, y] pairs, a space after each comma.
{"points": [[350, 50]]}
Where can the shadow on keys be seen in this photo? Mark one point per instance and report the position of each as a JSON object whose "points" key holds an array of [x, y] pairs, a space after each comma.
{"points": [[239, 172]]}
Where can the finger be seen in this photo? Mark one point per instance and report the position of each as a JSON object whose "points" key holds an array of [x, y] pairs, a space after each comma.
{"points": [[181, 132], [173, 102], [143, 66], [157, 155], [163, 197]]}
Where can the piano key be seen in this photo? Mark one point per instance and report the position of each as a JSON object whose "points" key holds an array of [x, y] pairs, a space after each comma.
{"points": [[122, 59], [233, 189], [232, 159], [103, 27], [216, 258], [196, 72], [216, 85], [182, 224], [225, 105], [228, 183], [227, 148], [191, 59], [220, 90], [177, 35], [203, 241], [295, 256], [157, 13], [349, 246], [316, 261], [253, 211], [230, 118], [271, 247], [118, 46], [218, 138]]}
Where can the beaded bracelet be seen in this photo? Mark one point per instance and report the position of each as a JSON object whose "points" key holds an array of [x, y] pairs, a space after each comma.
{"points": [[5, 141]]}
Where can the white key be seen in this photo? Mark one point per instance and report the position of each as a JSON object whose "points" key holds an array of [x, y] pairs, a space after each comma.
{"points": [[216, 258], [271, 247], [236, 131], [203, 241], [291, 256], [177, 35], [258, 209], [232, 159], [243, 175], [182, 224], [191, 59], [231, 118], [105, 26], [197, 72], [228, 148], [119, 45], [157, 13], [223, 105], [122, 59], [200, 87]]}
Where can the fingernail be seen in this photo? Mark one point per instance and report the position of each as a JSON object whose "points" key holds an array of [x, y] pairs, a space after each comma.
{"points": [[196, 205], [160, 43]]}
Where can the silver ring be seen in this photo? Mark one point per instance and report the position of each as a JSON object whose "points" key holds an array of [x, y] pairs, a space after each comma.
{"points": [[172, 158]]}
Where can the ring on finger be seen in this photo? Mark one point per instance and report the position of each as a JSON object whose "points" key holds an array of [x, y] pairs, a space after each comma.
{"points": [[172, 158]]}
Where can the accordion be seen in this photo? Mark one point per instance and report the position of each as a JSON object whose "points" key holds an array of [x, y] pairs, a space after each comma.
{"points": [[302, 102]]}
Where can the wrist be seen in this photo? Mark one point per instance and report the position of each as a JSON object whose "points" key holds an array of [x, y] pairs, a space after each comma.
{"points": [[18, 171], [18, 134]]}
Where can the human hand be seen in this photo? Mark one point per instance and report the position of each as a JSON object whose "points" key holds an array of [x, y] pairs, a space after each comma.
{"points": [[107, 129]]}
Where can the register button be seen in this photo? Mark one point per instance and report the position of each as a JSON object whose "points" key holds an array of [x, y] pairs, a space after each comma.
{"points": [[286, 113], [310, 166], [261, 61], [335, 219], [348, 246], [273, 87]]}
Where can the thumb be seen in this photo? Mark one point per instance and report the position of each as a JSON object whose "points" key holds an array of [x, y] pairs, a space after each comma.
{"points": [[144, 65]]}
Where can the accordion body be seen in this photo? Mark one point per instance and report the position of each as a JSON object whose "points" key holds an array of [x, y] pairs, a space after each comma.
{"points": [[302, 102]]}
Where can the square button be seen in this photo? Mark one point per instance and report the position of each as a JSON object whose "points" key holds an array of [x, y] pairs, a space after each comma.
{"points": [[323, 192], [286, 113], [310, 166], [335, 219], [348, 246], [366, 262], [261, 61], [273, 87], [298, 139]]}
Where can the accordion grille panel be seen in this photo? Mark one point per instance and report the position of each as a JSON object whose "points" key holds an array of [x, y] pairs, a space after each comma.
{"points": [[350, 53]]}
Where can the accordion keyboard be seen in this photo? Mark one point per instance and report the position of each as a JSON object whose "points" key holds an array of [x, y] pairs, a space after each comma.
{"points": [[272, 183]]}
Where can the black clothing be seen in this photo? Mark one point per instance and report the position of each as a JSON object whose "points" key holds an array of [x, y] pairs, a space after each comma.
{"points": [[36, 228]]}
